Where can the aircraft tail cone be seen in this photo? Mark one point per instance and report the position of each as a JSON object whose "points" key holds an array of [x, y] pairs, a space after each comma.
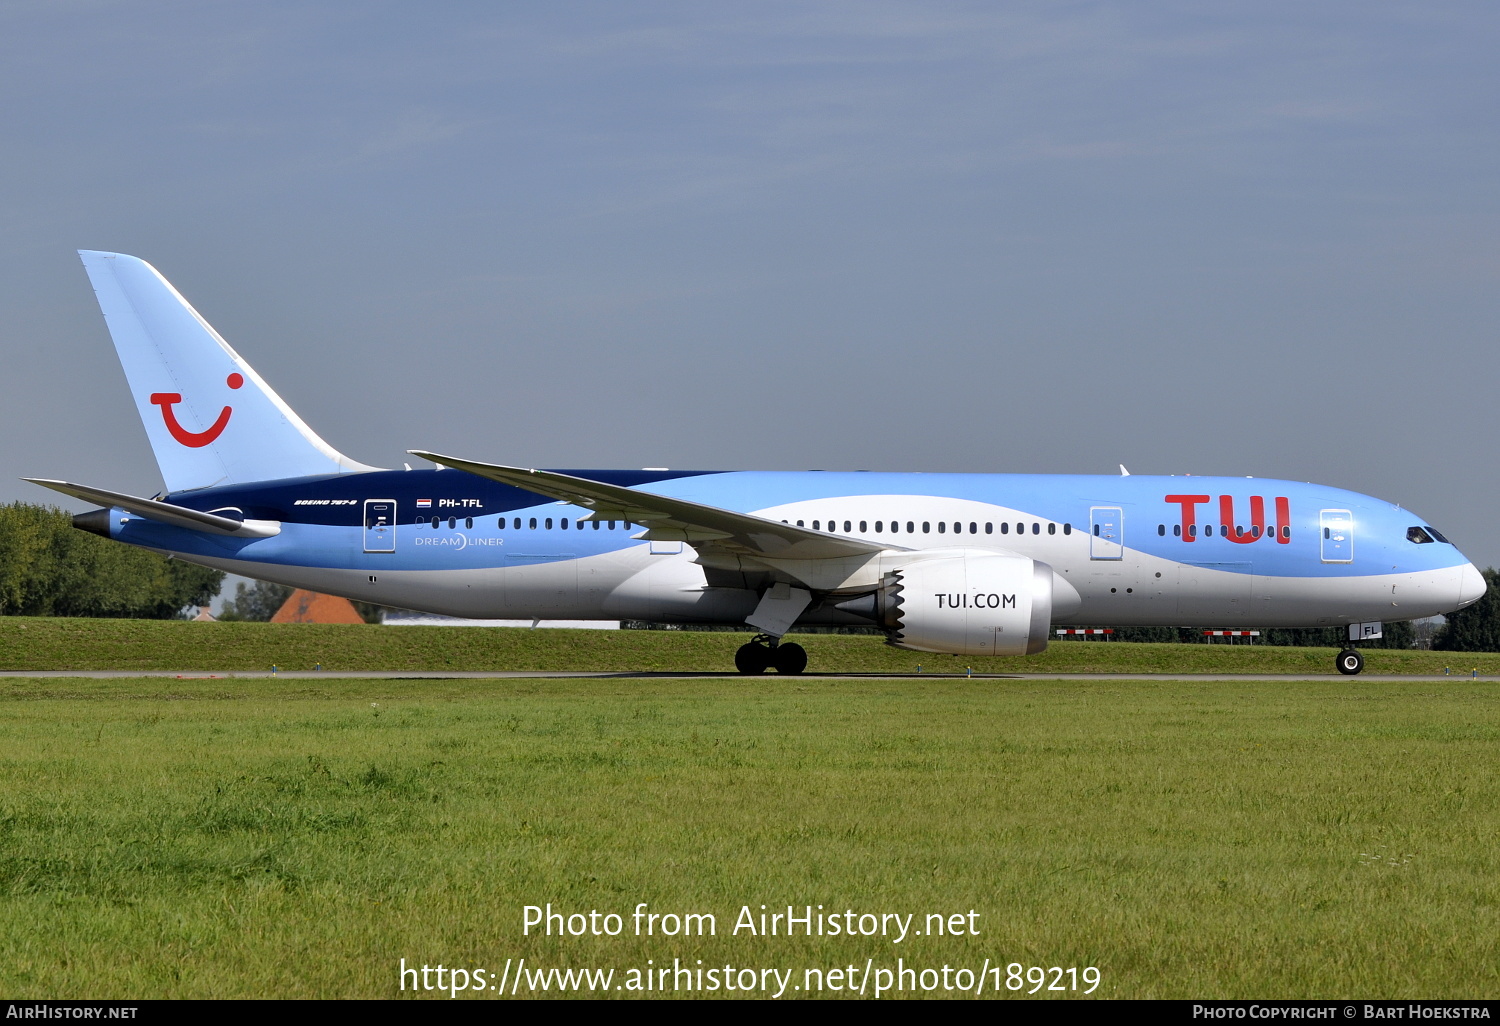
{"points": [[95, 521]]}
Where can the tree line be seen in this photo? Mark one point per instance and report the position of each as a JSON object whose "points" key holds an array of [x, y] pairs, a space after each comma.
{"points": [[49, 568]]}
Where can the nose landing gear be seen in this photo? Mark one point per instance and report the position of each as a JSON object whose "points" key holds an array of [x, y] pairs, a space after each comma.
{"points": [[1350, 662], [765, 651]]}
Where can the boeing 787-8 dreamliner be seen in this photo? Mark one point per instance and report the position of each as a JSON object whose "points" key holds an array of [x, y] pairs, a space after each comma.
{"points": [[972, 564]]}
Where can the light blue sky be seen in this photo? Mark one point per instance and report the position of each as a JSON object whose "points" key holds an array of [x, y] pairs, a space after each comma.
{"points": [[1255, 238]]}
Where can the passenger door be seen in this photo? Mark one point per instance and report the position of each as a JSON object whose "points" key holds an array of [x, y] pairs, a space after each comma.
{"points": [[1107, 525], [1338, 535], [380, 525]]}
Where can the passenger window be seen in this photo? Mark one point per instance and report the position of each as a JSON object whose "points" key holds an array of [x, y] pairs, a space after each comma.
{"points": [[1005, 527], [1051, 528], [1020, 528], [1286, 532], [801, 524], [517, 525], [1418, 536], [549, 523], [1161, 530], [1325, 532], [1176, 530], [926, 527], [469, 522], [434, 523], [862, 527], [1067, 529], [815, 524], [1096, 530], [848, 526], [452, 523], [1255, 530], [1193, 531], [942, 527], [595, 523], [911, 527], [531, 523], [564, 523], [878, 524], [989, 528], [1036, 528]]}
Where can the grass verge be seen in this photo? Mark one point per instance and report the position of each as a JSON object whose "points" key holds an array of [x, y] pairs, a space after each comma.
{"points": [[1329, 839], [47, 643]]}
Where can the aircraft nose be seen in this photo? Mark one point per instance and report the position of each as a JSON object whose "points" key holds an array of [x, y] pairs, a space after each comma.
{"points": [[1471, 587]]}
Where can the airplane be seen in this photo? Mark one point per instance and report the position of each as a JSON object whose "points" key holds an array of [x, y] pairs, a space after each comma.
{"points": [[969, 564]]}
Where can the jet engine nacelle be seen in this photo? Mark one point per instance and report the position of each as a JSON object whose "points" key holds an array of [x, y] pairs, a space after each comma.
{"points": [[968, 603]]}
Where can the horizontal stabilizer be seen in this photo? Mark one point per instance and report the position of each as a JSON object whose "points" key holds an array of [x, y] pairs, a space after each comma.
{"points": [[166, 512], [670, 518]]}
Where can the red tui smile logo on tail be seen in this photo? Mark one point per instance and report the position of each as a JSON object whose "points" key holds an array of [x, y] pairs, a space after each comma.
{"points": [[194, 439]]}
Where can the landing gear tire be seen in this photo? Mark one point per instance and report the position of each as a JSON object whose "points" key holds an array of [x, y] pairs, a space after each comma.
{"points": [[753, 658], [765, 651], [1350, 662], [790, 658]]}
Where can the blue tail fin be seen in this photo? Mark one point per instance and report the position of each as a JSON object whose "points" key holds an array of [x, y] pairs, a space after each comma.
{"points": [[210, 418]]}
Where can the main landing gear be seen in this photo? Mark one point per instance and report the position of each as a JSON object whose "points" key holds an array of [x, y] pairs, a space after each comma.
{"points": [[1350, 662], [765, 651]]}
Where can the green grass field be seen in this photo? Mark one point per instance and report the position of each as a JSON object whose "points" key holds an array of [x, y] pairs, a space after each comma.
{"points": [[268, 838], [44, 643]]}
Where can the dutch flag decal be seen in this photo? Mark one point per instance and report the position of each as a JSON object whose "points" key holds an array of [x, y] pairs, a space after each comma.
{"points": [[424, 503]]}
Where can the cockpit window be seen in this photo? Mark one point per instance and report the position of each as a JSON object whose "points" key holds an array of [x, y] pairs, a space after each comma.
{"points": [[1418, 535], [1434, 532]]}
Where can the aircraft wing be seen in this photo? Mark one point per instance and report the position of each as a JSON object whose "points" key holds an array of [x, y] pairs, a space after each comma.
{"points": [[669, 519], [165, 512]]}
